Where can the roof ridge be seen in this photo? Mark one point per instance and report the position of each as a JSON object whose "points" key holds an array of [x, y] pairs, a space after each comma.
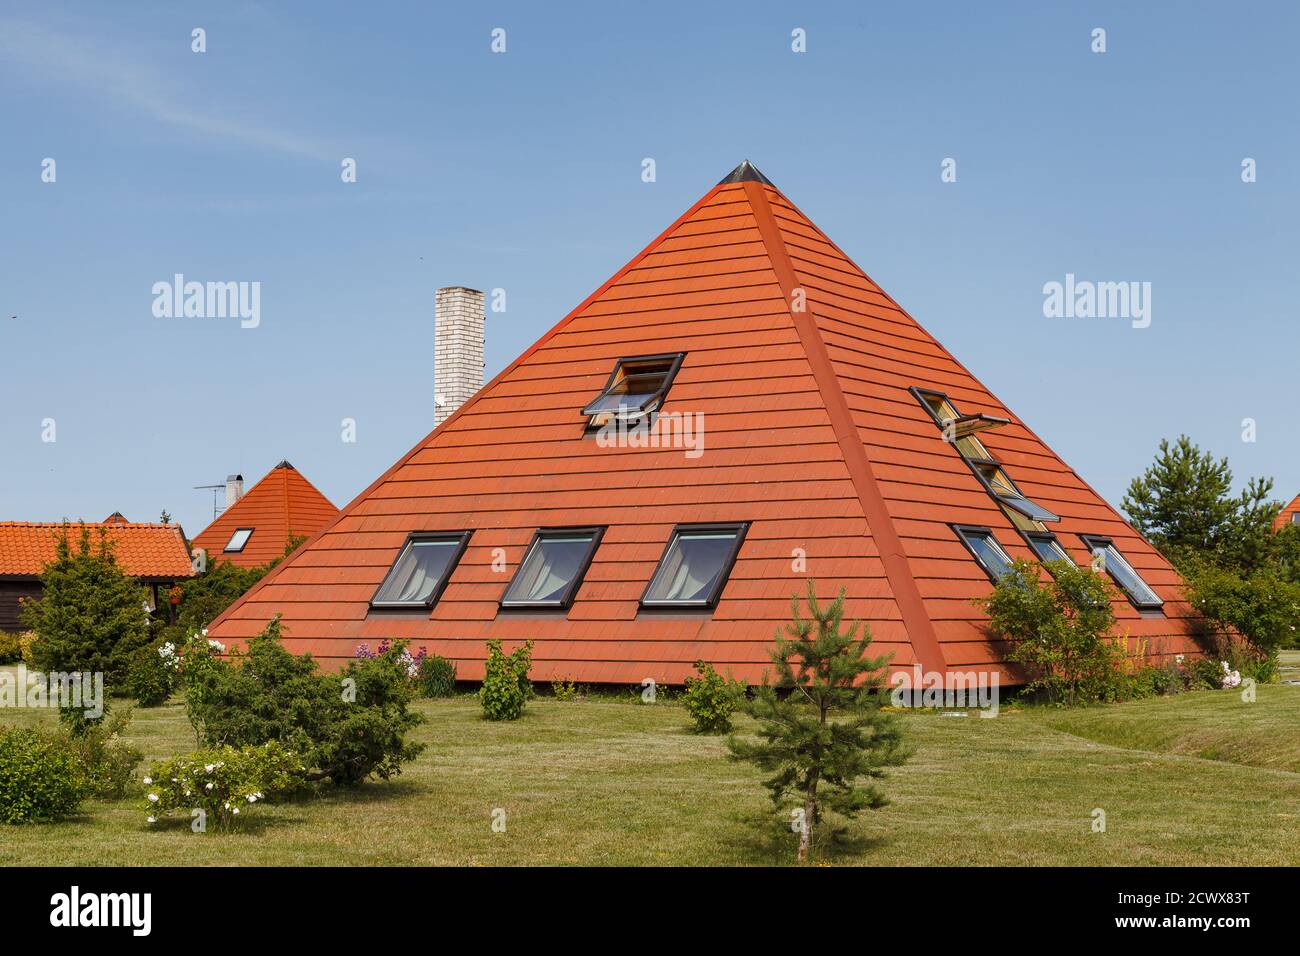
{"points": [[898, 571]]}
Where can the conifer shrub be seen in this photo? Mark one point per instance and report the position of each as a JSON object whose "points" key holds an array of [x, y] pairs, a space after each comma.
{"points": [[345, 726], [91, 617]]}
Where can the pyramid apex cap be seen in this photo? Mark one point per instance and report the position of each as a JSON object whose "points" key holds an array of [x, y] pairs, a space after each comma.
{"points": [[744, 173]]}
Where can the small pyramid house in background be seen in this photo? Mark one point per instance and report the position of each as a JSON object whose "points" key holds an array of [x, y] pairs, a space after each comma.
{"points": [[1288, 515], [813, 385], [281, 506]]}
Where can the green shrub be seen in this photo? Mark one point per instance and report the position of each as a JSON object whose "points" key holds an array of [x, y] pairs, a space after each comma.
{"points": [[11, 648], [1059, 629], [565, 690], [222, 781], [345, 726], [506, 687], [40, 780], [436, 677], [91, 616], [107, 761], [1262, 607], [27, 641], [711, 699], [152, 676]]}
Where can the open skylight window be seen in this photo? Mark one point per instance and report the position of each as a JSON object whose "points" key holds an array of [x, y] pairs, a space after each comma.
{"points": [[694, 566], [238, 540], [635, 389], [421, 571], [1123, 573], [1006, 492], [985, 549], [553, 568]]}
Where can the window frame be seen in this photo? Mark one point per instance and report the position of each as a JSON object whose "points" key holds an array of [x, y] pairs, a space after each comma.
{"points": [[741, 528], [661, 395], [961, 530], [571, 592], [975, 464], [462, 539], [1032, 536], [1105, 541], [229, 550]]}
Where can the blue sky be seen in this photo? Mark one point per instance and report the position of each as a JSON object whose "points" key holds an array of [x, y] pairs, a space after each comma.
{"points": [[522, 171]]}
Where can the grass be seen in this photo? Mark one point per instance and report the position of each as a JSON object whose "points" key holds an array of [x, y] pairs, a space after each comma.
{"points": [[599, 781]]}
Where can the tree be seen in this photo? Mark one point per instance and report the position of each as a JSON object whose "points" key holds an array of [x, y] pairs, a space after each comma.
{"points": [[1060, 630], [823, 671], [1183, 503], [91, 617]]}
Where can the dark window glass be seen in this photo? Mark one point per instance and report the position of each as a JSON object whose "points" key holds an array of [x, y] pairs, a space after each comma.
{"points": [[694, 568], [990, 555], [1123, 573], [1048, 548], [421, 569], [552, 569]]}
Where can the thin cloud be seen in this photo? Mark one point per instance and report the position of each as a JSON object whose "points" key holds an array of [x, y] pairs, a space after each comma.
{"points": [[89, 65]]}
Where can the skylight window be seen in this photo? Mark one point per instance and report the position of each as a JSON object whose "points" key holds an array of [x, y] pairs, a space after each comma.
{"points": [[421, 571], [1006, 492], [553, 568], [694, 566], [985, 549], [1047, 547], [636, 388], [1123, 573], [238, 540]]}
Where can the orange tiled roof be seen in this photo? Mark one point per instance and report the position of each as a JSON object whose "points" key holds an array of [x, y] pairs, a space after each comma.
{"points": [[1287, 515], [801, 365], [142, 550], [282, 504]]}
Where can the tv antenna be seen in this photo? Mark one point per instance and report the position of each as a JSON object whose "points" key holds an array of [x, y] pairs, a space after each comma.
{"points": [[216, 497]]}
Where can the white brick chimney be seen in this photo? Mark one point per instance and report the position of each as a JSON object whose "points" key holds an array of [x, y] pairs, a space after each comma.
{"points": [[458, 348], [234, 489]]}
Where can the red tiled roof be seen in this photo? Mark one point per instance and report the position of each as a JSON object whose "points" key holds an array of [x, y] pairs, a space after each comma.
{"points": [[1287, 515], [281, 505], [142, 550], [811, 435]]}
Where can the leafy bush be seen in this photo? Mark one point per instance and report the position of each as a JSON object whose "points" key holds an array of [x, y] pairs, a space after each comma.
{"points": [[564, 690], [222, 781], [1262, 607], [437, 677], [1060, 629], [107, 761], [40, 780], [91, 617], [27, 641], [506, 687], [11, 648], [152, 676], [345, 726], [711, 699]]}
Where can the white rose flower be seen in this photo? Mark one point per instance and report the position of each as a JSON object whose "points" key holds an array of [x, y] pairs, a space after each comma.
{"points": [[153, 820], [147, 781], [153, 798]]}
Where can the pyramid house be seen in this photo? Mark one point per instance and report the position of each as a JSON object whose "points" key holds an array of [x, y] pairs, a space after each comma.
{"points": [[257, 527], [738, 409]]}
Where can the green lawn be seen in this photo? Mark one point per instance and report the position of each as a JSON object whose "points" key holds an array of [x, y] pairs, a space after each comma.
{"points": [[599, 781]]}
